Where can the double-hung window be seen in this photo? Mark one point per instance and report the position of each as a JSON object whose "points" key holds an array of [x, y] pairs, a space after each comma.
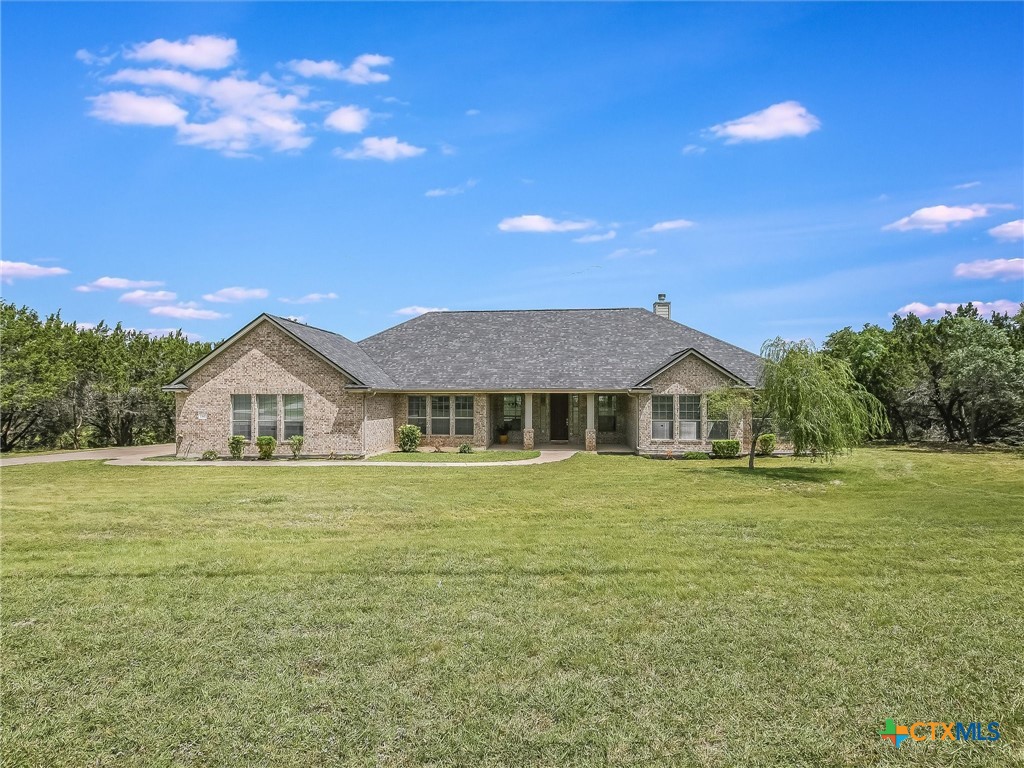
{"points": [[606, 413], [440, 414], [689, 417], [661, 417], [417, 415], [294, 415], [512, 412], [267, 415], [463, 414], [718, 423], [241, 416]]}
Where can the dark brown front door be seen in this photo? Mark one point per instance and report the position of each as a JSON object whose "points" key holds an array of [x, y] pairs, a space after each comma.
{"points": [[559, 417]]}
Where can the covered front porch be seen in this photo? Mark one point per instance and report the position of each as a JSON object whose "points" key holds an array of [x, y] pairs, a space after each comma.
{"points": [[591, 421]]}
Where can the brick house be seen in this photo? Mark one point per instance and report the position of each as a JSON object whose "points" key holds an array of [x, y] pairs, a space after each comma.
{"points": [[624, 379]]}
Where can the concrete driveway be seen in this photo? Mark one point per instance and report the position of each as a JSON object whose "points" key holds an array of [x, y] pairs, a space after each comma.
{"points": [[94, 454]]}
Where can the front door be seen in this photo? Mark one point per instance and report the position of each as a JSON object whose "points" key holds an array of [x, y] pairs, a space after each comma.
{"points": [[559, 417]]}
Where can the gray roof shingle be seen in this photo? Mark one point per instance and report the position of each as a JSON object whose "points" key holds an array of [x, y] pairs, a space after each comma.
{"points": [[344, 353], [613, 349]]}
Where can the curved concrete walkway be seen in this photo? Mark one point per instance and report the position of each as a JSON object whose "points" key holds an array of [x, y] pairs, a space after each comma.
{"points": [[128, 453], [134, 456], [547, 456]]}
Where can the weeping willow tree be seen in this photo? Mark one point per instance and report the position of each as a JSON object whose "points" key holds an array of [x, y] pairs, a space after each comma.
{"points": [[811, 397]]}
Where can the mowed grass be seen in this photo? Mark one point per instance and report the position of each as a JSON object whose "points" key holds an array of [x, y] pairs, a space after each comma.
{"points": [[452, 456], [599, 611]]}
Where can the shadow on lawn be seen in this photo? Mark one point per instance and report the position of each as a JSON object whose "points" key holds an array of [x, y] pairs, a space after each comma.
{"points": [[822, 473]]}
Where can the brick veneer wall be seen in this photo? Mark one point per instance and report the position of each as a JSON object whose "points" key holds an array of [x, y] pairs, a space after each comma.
{"points": [[690, 376], [268, 362]]}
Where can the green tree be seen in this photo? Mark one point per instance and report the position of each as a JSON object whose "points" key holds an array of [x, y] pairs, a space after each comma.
{"points": [[34, 370], [811, 397]]}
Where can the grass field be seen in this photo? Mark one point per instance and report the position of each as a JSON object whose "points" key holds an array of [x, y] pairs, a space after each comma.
{"points": [[599, 611], [451, 456]]}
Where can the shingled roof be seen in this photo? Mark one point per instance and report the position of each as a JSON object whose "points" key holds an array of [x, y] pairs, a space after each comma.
{"points": [[611, 349], [343, 352]]}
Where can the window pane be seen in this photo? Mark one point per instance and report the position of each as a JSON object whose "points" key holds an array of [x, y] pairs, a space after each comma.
{"points": [[418, 412], [440, 411], [719, 429], [689, 407], [463, 414], [294, 411], [241, 415], [513, 411], [662, 421], [267, 415]]}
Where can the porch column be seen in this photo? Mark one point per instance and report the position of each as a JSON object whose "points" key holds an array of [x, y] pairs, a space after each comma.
{"points": [[528, 421], [590, 439]]}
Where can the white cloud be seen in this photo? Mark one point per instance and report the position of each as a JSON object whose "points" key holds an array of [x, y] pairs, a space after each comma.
{"points": [[968, 185], [187, 311], [609, 235], [1005, 269], [1002, 306], [197, 52], [130, 108], [147, 297], [387, 149], [93, 59], [116, 284], [393, 100], [238, 115], [788, 118], [622, 253], [349, 119], [362, 71], [448, 149], [22, 270], [472, 112], [694, 149], [236, 294], [938, 218], [296, 318], [534, 223], [311, 298], [668, 226], [1008, 232], [415, 311], [458, 189]]}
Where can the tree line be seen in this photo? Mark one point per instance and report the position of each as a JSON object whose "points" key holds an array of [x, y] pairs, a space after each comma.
{"points": [[65, 386], [959, 378]]}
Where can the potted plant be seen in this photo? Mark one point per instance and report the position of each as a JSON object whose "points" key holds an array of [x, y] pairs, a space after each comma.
{"points": [[503, 433]]}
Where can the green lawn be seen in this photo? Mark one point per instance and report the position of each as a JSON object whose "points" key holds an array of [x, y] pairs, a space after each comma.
{"points": [[447, 456], [600, 611]]}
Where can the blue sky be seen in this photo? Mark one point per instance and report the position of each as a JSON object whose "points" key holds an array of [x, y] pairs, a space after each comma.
{"points": [[775, 169]]}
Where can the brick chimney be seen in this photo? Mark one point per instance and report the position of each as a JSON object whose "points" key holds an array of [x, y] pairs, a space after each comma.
{"points": [[663, 308]]}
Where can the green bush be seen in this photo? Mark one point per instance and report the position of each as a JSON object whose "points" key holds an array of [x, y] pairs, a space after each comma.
{"points": [[235, 446], [695, 455], [409, 436], [208, 456], [465, 448], [295, 443], [765, 445], [266, 445], [725, 449]]}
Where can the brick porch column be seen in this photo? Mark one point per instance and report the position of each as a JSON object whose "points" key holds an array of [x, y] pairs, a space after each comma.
{"points": [[590, 439], [528, 421]]}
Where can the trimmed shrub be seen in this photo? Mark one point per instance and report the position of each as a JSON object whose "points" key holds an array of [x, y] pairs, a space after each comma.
{"points": [[765, 445], [465, 448], [266, 445], [725, 449], [409, 437], [295, 443], [208, 456], [695, 455], [236, 445]]}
